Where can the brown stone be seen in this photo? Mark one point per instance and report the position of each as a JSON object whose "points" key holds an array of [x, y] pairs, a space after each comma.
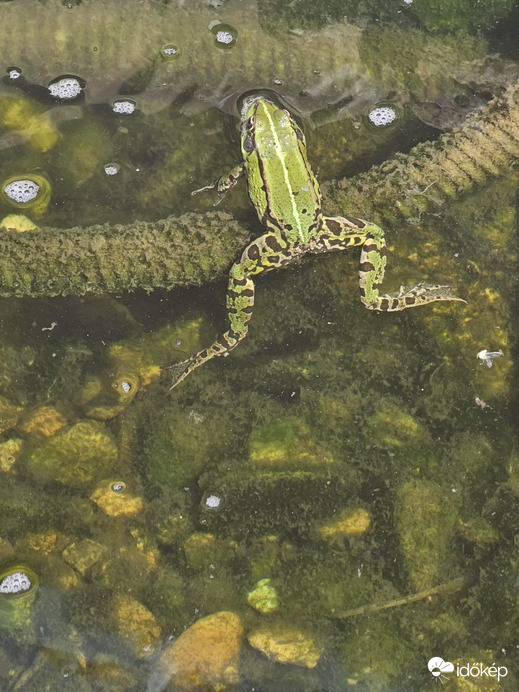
{"points": [[206, 655], [44, 422], [286, 644], [136, 624]]}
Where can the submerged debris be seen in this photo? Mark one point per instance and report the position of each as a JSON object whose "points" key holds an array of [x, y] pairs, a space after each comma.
{"points": [[488, 356]]}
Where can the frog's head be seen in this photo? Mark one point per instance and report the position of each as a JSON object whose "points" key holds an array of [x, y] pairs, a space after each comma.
{"points": [[260, 112], [261, 119]]}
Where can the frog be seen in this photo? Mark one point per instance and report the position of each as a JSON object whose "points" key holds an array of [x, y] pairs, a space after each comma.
{"points": [[288, 201]]}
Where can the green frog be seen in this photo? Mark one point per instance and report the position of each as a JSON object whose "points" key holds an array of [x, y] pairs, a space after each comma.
{"points": [[287, 198]]}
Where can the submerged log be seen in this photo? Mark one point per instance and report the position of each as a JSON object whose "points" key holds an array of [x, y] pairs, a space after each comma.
{"points": [[195, 248], [187, 250], [433, 173]]}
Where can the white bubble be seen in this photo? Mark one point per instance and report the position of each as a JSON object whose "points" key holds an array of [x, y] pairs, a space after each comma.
{"points": [[22, 191], [224, 34], [382, 116], [125, 386], [169, 50], [111, 169], [66, 88], [17, 582], [224, 37], [123, 107], [14, 73], [212, 501], [408, 2]]}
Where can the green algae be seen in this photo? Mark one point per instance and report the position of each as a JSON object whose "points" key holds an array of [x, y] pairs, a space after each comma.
{"points": [[325, 409], [75, 456], [425, 520]]}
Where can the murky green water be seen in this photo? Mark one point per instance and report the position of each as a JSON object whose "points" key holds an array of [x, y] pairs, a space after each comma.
{"points": [[336, 503]]}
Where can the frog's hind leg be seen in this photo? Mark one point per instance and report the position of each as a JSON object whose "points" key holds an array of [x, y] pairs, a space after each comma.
{"points": [[257, 257], [343, 233]]}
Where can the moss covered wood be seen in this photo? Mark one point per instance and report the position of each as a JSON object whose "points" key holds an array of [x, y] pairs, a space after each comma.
{"points": [[186, 250], [196, 248], [434, 172]]}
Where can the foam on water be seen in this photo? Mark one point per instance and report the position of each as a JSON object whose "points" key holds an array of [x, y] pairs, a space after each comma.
{"points": [[22, 191], [17, 582]]}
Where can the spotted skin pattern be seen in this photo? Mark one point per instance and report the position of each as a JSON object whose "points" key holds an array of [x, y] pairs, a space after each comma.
{"points": [[287, 199]]}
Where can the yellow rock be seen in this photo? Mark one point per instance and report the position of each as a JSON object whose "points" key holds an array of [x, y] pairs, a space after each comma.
{"points": [[206, 655], [44, 422], [263, 597], [9, 414], [19, 223], [114, 498], [83, 555], [350, 522], [286, 644], [136, 624], [24, 117]]}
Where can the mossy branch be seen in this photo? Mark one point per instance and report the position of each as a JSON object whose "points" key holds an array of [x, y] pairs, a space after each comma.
{"points": [[448, 587], [188, 250], [197, 248], [434, 172]]}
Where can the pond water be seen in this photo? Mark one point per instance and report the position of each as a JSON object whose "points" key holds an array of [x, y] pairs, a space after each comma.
{"points": [[335, 505]]}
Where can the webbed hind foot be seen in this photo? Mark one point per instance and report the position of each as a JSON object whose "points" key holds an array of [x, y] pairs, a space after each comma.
{"points": [[412, 296]]}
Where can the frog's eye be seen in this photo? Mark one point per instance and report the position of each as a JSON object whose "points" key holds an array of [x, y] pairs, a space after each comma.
{"points": [[250, 122]]}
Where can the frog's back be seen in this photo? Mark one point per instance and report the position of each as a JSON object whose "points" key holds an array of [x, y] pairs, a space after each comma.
{"points": [[281, 184]]}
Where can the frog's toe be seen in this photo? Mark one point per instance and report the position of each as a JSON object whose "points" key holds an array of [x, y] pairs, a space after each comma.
{"points": [[441, 292], [177, 372]]}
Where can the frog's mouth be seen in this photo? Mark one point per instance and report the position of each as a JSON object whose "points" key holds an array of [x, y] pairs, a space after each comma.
{"points": [[244, 101]]}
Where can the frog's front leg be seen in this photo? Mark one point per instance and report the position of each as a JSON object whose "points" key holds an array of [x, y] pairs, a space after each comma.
{"points": [[224, 183], [262, 255], [342, 233]]}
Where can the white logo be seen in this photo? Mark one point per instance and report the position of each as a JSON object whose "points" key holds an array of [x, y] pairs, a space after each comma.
{"points": [[439, 667]]}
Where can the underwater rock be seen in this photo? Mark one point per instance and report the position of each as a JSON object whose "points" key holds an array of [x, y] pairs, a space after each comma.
{"points": [[425, 516], [513, 479], [44, 421], [18, 222], [25, 121], [263, 597], [136, 624], [181, 443], [206, 551], [7, 551], [286, 644], [75, 456], [114, 498], [10, 452], [143, 356], [391, 427], [82, 555], [205, 656], [82, 152], [43, 543], [460, 15], [59, 574], [286, 444], [374, 654], [349, 522], [9, 414], [104, 397], [258, 501]]}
